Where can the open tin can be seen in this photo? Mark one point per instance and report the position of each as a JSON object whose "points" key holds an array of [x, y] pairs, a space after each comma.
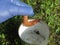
{"points": [[37, 34]]}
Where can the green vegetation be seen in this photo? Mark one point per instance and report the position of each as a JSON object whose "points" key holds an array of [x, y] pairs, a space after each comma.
{"points": [[46, 10]]}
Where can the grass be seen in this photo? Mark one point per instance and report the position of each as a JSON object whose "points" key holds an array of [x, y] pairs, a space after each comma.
{"points": [[46, 10]]}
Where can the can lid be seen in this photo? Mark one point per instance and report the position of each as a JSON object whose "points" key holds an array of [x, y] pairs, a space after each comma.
{"points": [[36, 34]]}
